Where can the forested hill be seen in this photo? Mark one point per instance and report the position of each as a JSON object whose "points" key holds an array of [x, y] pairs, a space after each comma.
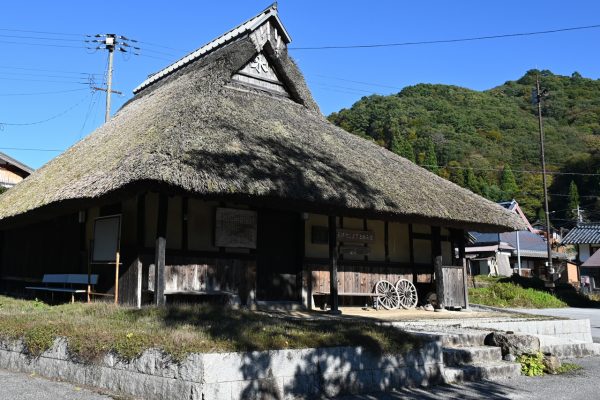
{"points": [[489, 142]]}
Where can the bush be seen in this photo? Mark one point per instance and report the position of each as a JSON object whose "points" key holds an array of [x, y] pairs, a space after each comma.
{"points": [[532, 364], [510, 295]]}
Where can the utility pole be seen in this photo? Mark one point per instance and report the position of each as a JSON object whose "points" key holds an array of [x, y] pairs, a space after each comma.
{"points": [[539, 95], [111, 42]]}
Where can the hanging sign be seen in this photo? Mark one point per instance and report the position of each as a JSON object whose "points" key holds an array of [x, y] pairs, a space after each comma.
{"points": [[349, 235], [235, 228]]}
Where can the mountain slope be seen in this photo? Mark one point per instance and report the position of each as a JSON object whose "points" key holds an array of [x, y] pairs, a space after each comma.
{"points": [[477, 138]]}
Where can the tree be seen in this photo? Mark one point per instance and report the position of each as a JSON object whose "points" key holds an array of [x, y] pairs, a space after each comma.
{"points": [[508, 184], [431, 162], [573, 204], [471, 182], [402, 147], [455, 173]]}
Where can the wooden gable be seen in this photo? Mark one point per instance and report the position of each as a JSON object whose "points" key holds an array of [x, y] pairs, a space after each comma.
{"points": [[259, 74]]}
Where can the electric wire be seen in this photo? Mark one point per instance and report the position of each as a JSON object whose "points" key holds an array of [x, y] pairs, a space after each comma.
{"points": [[2, 124], [439, 41]]}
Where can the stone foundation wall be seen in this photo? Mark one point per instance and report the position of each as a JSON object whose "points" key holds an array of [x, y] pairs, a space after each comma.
{"points": [[280, 374]]}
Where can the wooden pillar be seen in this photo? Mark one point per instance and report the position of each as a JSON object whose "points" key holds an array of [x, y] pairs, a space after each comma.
{"points": [[333, 259], [141, 221], [411, 250], [439, 281], [161, 245], [184, 223], [386, 239]]}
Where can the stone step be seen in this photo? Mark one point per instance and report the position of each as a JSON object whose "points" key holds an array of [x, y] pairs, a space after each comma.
{"points": [[456, 356], [463, 339], [489, 371]]}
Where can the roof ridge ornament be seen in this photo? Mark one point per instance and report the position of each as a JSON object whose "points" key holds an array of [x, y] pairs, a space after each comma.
{"points": [[262, 28]]}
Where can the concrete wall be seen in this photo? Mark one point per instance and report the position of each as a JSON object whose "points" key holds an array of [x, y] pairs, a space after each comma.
{"points": [[282, 374]]}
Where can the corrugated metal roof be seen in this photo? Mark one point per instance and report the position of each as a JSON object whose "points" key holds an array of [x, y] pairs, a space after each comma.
{"points": [[584, 232], [248, 26]]}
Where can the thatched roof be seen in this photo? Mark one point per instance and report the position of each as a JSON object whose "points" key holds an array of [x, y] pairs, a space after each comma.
{"points": [[194, 129]]}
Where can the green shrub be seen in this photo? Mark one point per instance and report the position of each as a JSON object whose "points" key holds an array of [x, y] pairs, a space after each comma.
{"points": [[532, 364], [510, 295]]}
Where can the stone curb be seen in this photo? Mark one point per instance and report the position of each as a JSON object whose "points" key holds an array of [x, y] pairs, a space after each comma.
{"points": [[281, 374]]}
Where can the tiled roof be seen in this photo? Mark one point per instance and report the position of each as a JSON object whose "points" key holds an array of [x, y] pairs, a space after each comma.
{"points": [[238, 31], [584, 232]]}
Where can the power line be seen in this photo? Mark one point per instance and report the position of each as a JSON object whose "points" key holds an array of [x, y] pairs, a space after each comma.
{"points": [[2, 124], [41, 32], [49, 70], [44, 80], [359, 82], [468, 39], [41, 93], [42, 44], [40, 38], [29, 149]]}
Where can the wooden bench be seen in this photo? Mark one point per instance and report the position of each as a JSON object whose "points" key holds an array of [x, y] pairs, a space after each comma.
{"points": [[68, 282], [351, 294]]}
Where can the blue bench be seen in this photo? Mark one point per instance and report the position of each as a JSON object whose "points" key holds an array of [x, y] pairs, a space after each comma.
{"points": [[71, 283]]}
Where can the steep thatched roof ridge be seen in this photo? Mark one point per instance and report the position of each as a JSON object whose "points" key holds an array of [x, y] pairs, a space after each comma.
{"points": [[200, 132]]}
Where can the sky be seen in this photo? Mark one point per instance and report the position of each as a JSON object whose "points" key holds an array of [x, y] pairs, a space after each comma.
{"points": [[46, 104]]}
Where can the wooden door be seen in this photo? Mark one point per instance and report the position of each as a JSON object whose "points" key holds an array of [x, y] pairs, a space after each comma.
{"points": [[279, 258]]}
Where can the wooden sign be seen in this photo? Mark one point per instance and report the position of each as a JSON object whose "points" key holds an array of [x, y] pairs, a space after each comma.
{"points": [[107, 233], [349, 235], [355, 250], [235, 228]]}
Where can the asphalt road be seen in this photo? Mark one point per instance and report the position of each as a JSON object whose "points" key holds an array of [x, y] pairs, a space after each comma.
{"points": [[593, 314], [579, 385], [17, 386]]}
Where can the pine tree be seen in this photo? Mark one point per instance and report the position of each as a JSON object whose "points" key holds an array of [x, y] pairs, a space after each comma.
{"points": [[573, 201], [431, 162], [508, 184]]}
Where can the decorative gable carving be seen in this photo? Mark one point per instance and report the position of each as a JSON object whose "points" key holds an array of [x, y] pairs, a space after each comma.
{"points": [[259, 74]]}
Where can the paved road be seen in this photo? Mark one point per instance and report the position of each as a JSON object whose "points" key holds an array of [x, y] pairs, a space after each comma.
{"points": [[593, 314], [580, 385], [17, 386]]}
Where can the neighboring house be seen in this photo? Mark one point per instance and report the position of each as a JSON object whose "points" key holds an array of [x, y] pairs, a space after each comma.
{"points": [[585, 236], [498, 254], [221, 176], [12, 171]]}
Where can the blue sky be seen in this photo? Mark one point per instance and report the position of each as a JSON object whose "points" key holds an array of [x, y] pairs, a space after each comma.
{"points": [[183, 26]]}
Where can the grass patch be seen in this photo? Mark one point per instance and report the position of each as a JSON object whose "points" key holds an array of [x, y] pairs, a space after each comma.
{"points": [[510, 295], [532, 364], [567, 368], [95, 329]]}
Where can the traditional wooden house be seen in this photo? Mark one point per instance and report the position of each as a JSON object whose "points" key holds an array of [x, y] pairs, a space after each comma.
{"points": [[585, 236], [12, 171], [221, 176]]}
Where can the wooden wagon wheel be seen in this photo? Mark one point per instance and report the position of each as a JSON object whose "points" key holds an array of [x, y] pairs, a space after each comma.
{"points": [[388, 295], [407, 293]]}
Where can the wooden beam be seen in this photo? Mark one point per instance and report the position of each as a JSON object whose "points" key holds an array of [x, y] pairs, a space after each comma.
{"points": [[333, 259], [161, 245]]}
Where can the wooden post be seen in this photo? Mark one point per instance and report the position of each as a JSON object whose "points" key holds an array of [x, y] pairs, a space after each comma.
{"points": [[117, 262], [333, 259], [466, 289], [411, 252], [161, 245], [439, 281]]}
